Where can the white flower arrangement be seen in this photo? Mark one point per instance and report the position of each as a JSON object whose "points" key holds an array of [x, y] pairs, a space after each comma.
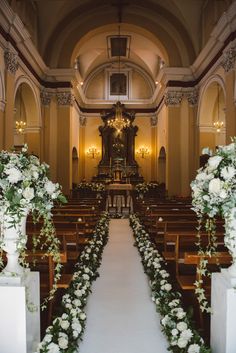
{"points": [[91, 186], [175, 322], [143, 188], [66, 330], [214, 194], [24, 185]]}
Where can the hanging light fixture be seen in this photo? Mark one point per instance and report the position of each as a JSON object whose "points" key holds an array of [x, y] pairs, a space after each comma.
{"points": [[20, 124], [118, 122], [218, 124]]}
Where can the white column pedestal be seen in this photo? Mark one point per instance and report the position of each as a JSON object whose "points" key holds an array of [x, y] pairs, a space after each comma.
{"points": [[19, 328], [223, 319]]}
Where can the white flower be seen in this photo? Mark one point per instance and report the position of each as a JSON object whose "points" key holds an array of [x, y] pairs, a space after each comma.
{"points": [[50, 187], [174, 332], [63, 342], [167, 287], [181, 326], [65, 324], [186, 334], [227, 172], [82, 316], [76, 326], [194, 348], [47, 338], [182, 342], [215, 186], [213, 162], [223, 194], [28, 193], [14, 175], [53, 348]]}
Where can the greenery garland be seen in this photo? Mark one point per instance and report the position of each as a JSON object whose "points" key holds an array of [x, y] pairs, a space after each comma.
{"points": [[176, 323], [67, 329]]}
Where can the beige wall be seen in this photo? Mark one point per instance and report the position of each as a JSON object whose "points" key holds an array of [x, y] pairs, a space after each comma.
{"points": [[143, 138], [92, 138]]}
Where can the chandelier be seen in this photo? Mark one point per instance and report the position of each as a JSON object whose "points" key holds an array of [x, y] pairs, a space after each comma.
{"points": [[20, 126], [118, 122]]}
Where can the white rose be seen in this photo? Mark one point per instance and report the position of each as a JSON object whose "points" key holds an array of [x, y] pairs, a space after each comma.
{"points": [[76, 302], [168, 287], [182, 343], [82, 316], [227, 172], [50, 187], [213, 162], [201, 176], [47, 338], [229, 148], [76, 326], [180, 315], [14, 175], [194, 348], [181, 326], [28, 193], [174, 332], [63, 342], [65, 324], [53, 348], [186, 334], [215, 186], [223, 194]]}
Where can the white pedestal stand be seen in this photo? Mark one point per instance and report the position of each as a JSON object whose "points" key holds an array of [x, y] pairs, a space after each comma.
{"points": [[19, 328], [223, 319]]}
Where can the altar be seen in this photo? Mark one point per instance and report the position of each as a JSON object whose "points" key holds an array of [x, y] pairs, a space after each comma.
{"points": [[117, 186]]}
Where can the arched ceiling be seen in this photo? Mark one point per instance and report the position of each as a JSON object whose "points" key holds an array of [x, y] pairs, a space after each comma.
{"points": [[166, 29]]}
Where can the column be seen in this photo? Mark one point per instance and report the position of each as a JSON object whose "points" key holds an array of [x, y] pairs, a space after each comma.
{"points": [[64, 153], [173, 157], [153, 121], [82, 121], [11, 66], [228, 63]]}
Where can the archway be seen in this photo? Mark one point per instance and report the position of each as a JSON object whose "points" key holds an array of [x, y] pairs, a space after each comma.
{"points": [[211, 119], [75, 167], [27, 115], [161, 171]]}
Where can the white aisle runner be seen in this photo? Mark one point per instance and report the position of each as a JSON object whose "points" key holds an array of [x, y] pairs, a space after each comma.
{"points": [[121, 317]]}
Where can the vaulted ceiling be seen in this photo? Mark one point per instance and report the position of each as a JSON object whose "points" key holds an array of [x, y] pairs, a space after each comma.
{"points": [[74, 32]]}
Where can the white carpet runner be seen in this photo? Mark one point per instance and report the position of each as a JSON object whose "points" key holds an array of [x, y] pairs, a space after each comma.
{"points": [[121, 317]]}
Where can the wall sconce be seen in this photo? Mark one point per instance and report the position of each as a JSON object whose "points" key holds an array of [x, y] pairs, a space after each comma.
{"points": [[143, 151], [218, 125], [20, 126], [93, 152]]}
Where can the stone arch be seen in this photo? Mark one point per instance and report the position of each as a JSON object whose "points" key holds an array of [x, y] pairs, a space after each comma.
{"points": [[75, 167], [210, 110], [27, 109], [161, 171]]}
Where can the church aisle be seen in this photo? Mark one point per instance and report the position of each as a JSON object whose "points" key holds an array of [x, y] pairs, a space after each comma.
{"points": [[121, 317]]}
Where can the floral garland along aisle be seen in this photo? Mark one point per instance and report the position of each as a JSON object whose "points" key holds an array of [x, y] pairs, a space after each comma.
{"points": [[176, 324], [66, 330]]}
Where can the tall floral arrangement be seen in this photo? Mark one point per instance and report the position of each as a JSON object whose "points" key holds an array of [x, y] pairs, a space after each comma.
{"points": [[25, 187], [214, 194]]}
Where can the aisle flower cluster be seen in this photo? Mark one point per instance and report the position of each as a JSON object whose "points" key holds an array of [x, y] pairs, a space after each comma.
{"points": [[67, 329], [143, 188], [91, 186], [176, 323]]}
